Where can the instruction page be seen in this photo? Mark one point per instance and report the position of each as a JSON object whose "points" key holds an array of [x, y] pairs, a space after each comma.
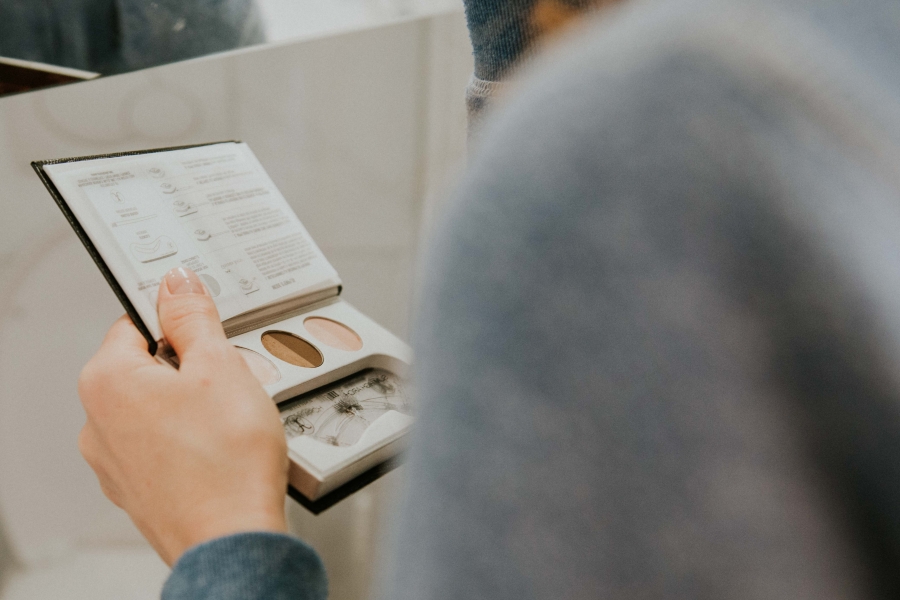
{"points": [[212, 209]]}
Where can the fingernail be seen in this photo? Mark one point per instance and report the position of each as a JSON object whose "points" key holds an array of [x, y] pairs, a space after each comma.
{"points": [[181, 280]]}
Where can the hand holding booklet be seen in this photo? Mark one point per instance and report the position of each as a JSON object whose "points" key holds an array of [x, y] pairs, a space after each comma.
{"points": [[336, 374]]}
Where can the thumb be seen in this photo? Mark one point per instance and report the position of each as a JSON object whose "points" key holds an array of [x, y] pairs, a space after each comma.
{"points": [[187, 313]]}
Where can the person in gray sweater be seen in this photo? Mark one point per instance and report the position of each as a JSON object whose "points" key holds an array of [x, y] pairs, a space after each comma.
{"points": [[658, 348]]}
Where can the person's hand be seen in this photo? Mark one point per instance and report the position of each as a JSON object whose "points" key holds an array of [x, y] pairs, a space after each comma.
{"points": [[193, 454]]}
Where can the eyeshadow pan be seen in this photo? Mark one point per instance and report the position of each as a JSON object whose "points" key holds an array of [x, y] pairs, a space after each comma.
{"points": [[261, 367], [292, 349], [334, 334]]}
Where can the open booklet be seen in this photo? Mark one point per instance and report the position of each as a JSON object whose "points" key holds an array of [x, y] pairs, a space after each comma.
{"points": [[211, 208], [336, 374]]}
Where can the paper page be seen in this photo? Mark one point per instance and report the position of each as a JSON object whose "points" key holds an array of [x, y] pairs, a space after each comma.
{"points": [[213, 209]]}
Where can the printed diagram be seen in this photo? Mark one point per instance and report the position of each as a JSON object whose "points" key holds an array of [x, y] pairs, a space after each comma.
{"points": [[156, 172], [247, 284], [183, 209], [204, 235], [340, 415], [168, 188], [116, 197], [161, 247], [203, 232]]}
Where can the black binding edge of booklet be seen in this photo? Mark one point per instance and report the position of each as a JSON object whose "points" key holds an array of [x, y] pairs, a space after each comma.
{"points": [[38, 167], [351, 487], [20, 79]]}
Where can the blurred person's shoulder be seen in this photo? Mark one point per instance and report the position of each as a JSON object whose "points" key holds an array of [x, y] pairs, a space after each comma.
{"points": [[660, 98]]}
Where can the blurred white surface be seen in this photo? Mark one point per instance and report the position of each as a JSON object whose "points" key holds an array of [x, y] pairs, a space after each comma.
{"points": [[123, 573], [292, 19], [360, 131]]}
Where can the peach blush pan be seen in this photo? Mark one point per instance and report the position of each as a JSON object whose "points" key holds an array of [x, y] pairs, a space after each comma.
{"points": [[261, 367], [333, 334]]}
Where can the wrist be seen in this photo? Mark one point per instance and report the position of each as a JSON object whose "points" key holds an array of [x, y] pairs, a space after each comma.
{"points": [[214, 526]]}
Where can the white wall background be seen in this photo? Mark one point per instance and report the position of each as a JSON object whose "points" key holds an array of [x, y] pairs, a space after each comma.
{"points": [[291, 19]]}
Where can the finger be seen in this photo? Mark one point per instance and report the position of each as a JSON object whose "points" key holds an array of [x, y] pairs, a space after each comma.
{"points": [[187, 313], [88, 445], [123, 340], [123, 351]]}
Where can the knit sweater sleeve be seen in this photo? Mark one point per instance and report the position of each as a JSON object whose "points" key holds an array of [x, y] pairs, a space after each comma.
{"points": [[248, 566]]}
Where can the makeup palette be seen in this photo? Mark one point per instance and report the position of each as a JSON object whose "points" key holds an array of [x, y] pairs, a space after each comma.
{"points": [[313, 354], [327, 342], [214, 209]]}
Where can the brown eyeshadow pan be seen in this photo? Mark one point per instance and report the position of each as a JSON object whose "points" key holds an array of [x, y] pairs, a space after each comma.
{"points": [[334, 334], [292, 349]]}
